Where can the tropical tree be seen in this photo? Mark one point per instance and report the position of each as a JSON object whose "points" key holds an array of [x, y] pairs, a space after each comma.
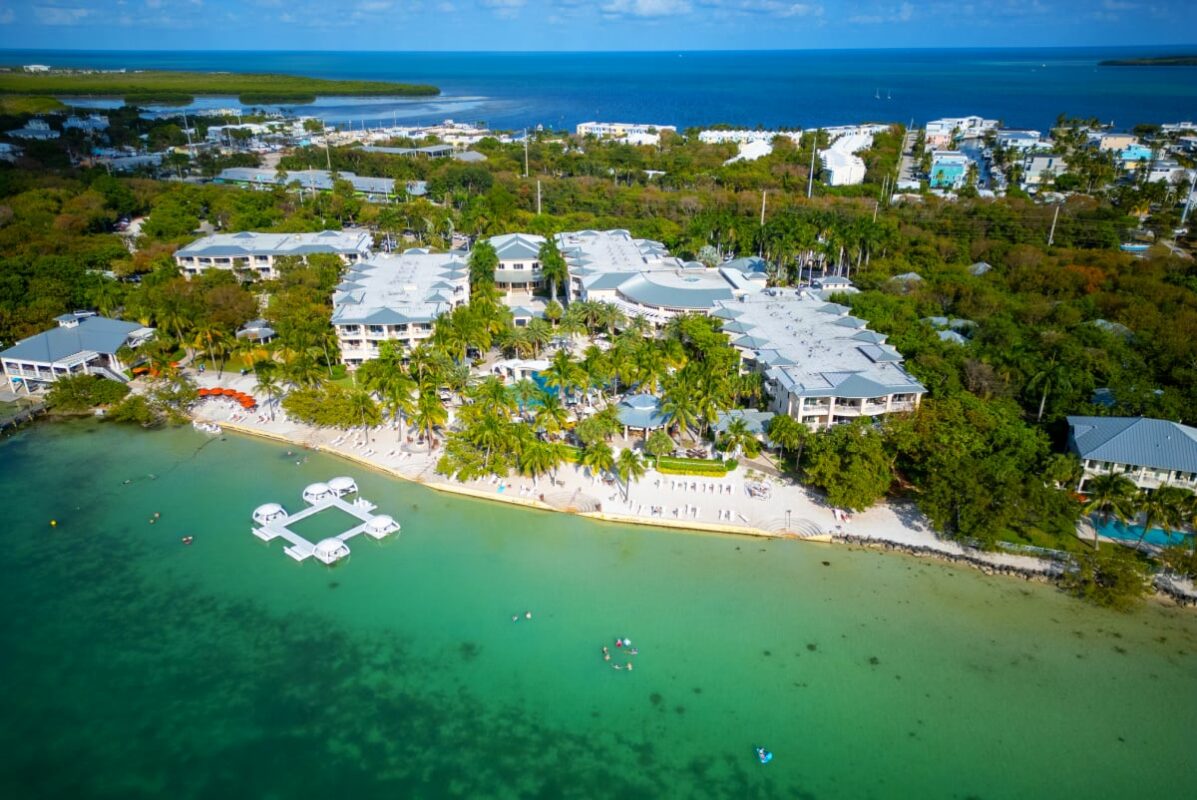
{"points": [[1113, 497], [429, 414], [1163, 507], [630, 467], [269, 386], [552, 266], [364, 409], [788, 434], [680, 408], [736, 438], [563, 373], [551, 414], [659, 444], [483, 262], [598, 458]]}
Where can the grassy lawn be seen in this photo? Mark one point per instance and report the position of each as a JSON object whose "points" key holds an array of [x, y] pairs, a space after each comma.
{"points": [[12, 104], [182, 87]]}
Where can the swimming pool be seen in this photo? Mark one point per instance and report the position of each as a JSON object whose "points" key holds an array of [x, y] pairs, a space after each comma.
{"points": [[1131, 533]]}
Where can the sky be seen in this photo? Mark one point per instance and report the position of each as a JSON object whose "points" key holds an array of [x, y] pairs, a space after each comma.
{"points": [[421, 25]]}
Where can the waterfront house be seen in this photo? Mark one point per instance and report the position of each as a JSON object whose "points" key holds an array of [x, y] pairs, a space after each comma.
{"points": [[943, 133], [35, 129], [1021, 141], [621, 130], [396, 297], [254, 254], [746, 136], [1150, 452], [1107, 141], [81, 343], [1041, 169]]}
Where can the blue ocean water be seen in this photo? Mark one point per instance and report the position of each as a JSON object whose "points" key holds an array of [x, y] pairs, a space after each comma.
{"points": [[1022, 87]]}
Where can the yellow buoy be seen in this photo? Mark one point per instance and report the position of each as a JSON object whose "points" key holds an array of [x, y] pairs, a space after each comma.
{"points": [[53, 523]]}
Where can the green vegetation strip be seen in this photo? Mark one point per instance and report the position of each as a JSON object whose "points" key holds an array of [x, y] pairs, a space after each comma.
{"points": [[183, 86], [29, 105], [669, 465]]}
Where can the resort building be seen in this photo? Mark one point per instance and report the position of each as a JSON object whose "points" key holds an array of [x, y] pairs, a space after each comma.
{"points": [[632, 132], [519, 263], [35, 129], [321, 180], [943, 133], [396, 297], [254, 254], [92, 123], [1150, 452], [949, 169], [821, 365], [428, 151], [641, 278], [83, 343], [746, 136], [840, 162], [1021, 141]]}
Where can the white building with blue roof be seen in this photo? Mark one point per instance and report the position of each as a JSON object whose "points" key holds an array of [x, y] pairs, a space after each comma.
{"points": [[254, 254], [821, 365], [396, 297], [321, 180], [1150, 452], [82, 343], [518, 271], [642, 279]]}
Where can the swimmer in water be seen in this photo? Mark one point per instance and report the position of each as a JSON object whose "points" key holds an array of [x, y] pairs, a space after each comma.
{"points": [[616, 666], [629, 666], [528, 615], [634, 651], [157, 514]]}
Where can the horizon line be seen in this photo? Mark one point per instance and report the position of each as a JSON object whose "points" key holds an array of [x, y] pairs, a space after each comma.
{"points": [[1192, 45]]}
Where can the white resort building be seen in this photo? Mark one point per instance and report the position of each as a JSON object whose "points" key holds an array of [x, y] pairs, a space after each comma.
{"points": [[714, 136], [396, 297], [641, 278], [821, 365], [255, 253], [519, 263], [941, 133], [83, 343], [1150, 452]]}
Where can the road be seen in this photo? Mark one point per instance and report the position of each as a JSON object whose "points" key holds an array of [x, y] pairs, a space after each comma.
{"points": [[906, 167]]}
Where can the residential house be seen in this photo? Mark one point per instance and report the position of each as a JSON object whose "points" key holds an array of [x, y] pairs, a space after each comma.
{"points": [[1150, 452], [949, 169]]}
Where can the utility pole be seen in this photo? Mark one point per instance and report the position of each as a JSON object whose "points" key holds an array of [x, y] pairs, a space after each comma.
{"points": [[810, 180], [525, 152], [1184, 215], [1051, 237], [538, 197], [327, 155], [763, 193], [876, 206]]}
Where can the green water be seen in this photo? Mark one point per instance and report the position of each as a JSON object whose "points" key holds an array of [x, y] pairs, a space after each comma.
{"points": [[134, 666]]}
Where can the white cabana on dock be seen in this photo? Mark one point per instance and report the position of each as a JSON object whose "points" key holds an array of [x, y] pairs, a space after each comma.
{"points": [[343, 485], [317, 492], [381, 525], [269, 513], [330, 550]]}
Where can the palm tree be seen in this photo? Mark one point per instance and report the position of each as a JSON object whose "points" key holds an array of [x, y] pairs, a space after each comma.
{"points": [[397, 393], [788, 434], [598, 458], [269, 386], [562, 373], [659, 444], [552, 266], [553, 312], [1053, 376], [737, 438], [629, 466], [524, 391], [493, 396], [490, 433], [678, 406], [551, 414], [362, 407], [1163, 507], [1112, 496], [429, 414]]}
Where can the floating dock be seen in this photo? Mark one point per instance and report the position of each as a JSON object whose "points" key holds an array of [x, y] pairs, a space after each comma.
{"points": [[274, 522]]}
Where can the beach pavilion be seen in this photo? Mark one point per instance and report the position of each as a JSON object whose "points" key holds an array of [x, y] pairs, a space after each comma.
{"points": [[641, 412]]}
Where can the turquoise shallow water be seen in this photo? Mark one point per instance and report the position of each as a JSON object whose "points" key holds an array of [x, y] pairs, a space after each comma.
{"points": [[135, 666]]}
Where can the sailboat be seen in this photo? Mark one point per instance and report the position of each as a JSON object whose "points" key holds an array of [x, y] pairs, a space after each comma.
{"points": [[877, 94], [889, 94]]}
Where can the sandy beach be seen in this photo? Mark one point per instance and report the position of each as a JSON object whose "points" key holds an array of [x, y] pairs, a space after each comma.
{"points": [[722, 505]]}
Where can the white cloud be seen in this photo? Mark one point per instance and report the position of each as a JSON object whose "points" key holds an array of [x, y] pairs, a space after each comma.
{"points": [[50, 15], [900, 13], [503, 8], [369, 6], [776, 8], [1118, 5], [645, 8]]}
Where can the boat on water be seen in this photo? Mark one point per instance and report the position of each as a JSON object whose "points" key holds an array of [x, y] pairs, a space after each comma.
{"points": [[206, 427]]}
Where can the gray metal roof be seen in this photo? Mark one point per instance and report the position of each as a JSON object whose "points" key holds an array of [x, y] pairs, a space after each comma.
{"points": [[1139, 441], [249, 243], [641, 411], [756, 420], [91, 334], [517, 246]]}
